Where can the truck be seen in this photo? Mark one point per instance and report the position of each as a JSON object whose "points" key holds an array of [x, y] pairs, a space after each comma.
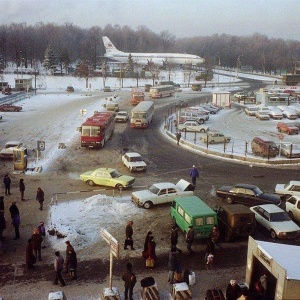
{"points": [[137, 95], [291, 79], [287, 128]]}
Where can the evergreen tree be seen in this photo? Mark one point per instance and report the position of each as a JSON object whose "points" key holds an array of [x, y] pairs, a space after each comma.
{"points": [[2, 64], [130, 65], [50, 59]]}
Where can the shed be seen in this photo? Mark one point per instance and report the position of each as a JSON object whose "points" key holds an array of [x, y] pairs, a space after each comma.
{"points": [[281, 261], [221, 98], [23, 84]]}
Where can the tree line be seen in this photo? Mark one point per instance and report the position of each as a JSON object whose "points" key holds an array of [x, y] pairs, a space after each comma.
{"points": [[28, 44]]}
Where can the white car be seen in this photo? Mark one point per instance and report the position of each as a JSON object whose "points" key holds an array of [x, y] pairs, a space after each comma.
{"points": [[289, 189], [193, 126], [290, 114], [122, 116], [163, 192], [276, 221], [292, 207], [262, 115], [290, 150], [251, 110], [275, 113], [134, 162]]}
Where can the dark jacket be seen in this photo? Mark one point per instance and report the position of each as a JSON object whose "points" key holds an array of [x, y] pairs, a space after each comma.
{"points": [[73, 260], [30, 258], [36, 241], [16, 220], [14, 210], [233, 292], [1, 203], [190, 236], [174, 236], [194, 173], [173, 261], [6, 181], [151, 249], [129, 232], [21, 186], [40, 195], [129, 278], [2, 221]]}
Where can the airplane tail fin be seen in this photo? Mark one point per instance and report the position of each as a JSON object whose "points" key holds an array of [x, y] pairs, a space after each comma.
{"points": [[109, 46]]}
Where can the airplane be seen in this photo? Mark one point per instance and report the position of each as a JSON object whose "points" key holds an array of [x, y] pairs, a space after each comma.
{"points": [[144, 58]]}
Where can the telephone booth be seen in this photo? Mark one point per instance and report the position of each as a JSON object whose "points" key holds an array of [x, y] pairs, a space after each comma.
{"points": [[20, 158]]}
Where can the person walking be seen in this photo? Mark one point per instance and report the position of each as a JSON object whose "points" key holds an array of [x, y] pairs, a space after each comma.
{"points": [[73, 264], [22, 189], [216, 237], [128, 236], [2, 225], [130, 280], [7, 182], [174, 238], [151, 248], [13, 209], [2, 203], [58, 267], [145, 251], [37, 240], [172, 265], [30, 258], [194, 174], [42, 232], [16, 221], [40, 197], [69, 249], [178, 137], [190, 240]]}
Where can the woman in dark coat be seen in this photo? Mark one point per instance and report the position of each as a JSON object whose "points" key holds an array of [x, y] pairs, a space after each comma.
{"points": [[73, 264], [151, 247], [147, 241], [30, 258], [22, 188]]}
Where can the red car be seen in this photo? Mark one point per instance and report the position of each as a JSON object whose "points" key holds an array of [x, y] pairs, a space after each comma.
{"points": [[10, 107]]}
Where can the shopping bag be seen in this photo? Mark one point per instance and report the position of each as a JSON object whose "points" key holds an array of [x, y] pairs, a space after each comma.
{"points": [[149, 262], [192, 278]]}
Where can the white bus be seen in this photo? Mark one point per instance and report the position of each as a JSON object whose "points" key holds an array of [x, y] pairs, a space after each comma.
{"points": [[161, 91], [141, 115]]}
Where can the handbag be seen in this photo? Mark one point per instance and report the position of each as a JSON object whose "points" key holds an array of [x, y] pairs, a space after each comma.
{"points": [[149, 262]]}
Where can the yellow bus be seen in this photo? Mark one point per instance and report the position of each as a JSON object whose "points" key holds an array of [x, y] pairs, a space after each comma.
{"points": [[161, 91]]}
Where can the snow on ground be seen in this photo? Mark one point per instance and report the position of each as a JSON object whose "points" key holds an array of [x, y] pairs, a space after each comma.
{"points": [[100, 210]]}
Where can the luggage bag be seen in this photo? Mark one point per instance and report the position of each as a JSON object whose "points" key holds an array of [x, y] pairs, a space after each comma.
{"points": [[214, 294], [147, 281]]}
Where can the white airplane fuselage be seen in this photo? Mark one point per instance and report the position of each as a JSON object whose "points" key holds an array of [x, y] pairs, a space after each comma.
{"points": [[144, 58]]}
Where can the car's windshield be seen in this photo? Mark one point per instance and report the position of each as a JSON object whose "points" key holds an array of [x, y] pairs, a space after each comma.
{"points": [[115, 174], [257, 191], [136, 158], [154, 189], [279, 217]]}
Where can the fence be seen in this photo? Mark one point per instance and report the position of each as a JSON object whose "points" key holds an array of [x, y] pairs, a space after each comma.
{"points": [[16, 97]]}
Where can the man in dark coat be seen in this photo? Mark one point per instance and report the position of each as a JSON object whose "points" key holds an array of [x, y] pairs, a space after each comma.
{"points": [[40, 197], [129, 234], [13, 209], [22, 188], [130, 281], [73, 264], [190, 240], [194, 174], [7, 182], [174, 238], [233, 290]]}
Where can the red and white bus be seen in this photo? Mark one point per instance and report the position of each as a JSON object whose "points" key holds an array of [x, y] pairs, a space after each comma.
{"points": [[137, 96], [96, 130], [141, 115], [160, 91]]}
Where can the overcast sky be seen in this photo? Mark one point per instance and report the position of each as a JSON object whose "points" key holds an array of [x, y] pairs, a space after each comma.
{"points": [[183, 18]]}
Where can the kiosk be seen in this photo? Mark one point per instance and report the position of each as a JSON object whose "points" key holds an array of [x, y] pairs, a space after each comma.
{"points": [[20, 158]]}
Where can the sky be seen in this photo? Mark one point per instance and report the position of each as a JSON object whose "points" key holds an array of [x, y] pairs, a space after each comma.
{"points": [[275, 19]]}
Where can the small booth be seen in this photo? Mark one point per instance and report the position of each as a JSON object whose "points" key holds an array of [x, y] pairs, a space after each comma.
{"points": [[221, 98], [20, 158], [280, 262], [23, 84]]}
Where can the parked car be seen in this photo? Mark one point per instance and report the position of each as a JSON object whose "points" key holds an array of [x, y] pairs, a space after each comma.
{"points": [[212, 110], [276, 221], [275, 113], [251, 110], [8, 151], [193, 126], [247, 194], [290, 114], [213, 137], [189, 115], [290, 150], [122, 116], [163, 192], [262, 115], [107, 89], [241, 95], [264, 147], [10, 107], [292, 207], [70, 88], [289, 189], [296, 108], [198, 109], [107, 177], [134, 162], [235, 221], [287, 128]]}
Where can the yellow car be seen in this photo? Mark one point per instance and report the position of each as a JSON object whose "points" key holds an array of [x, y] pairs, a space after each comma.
{"points": [[107, 177]]}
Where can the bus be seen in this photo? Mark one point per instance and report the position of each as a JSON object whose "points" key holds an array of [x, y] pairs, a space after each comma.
{"points": [[137, 96], [98, 129], [161, 91], [141, 115]]}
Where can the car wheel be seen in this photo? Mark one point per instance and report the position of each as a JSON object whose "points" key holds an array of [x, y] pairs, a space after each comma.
{"points": [[229, 200], [273, 234], [90, 182], [201, 121], [119, 186], [202, 130], [291, 215], [148, 205]]}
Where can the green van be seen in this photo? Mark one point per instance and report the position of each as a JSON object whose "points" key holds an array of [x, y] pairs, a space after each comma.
{"points": [[191, 210]]}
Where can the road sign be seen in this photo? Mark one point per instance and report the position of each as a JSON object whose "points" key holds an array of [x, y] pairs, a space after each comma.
{"points": [[41, 145], [83, 112], [114, 244]]}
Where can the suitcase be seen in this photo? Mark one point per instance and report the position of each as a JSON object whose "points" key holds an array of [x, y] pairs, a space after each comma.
{"points": [[128, 243], [147, 281], [214, 294], [192, 278]]}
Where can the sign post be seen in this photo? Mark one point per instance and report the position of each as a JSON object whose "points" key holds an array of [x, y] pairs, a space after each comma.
{"points": [[40, 147], [111, 292], [280, 137]]}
